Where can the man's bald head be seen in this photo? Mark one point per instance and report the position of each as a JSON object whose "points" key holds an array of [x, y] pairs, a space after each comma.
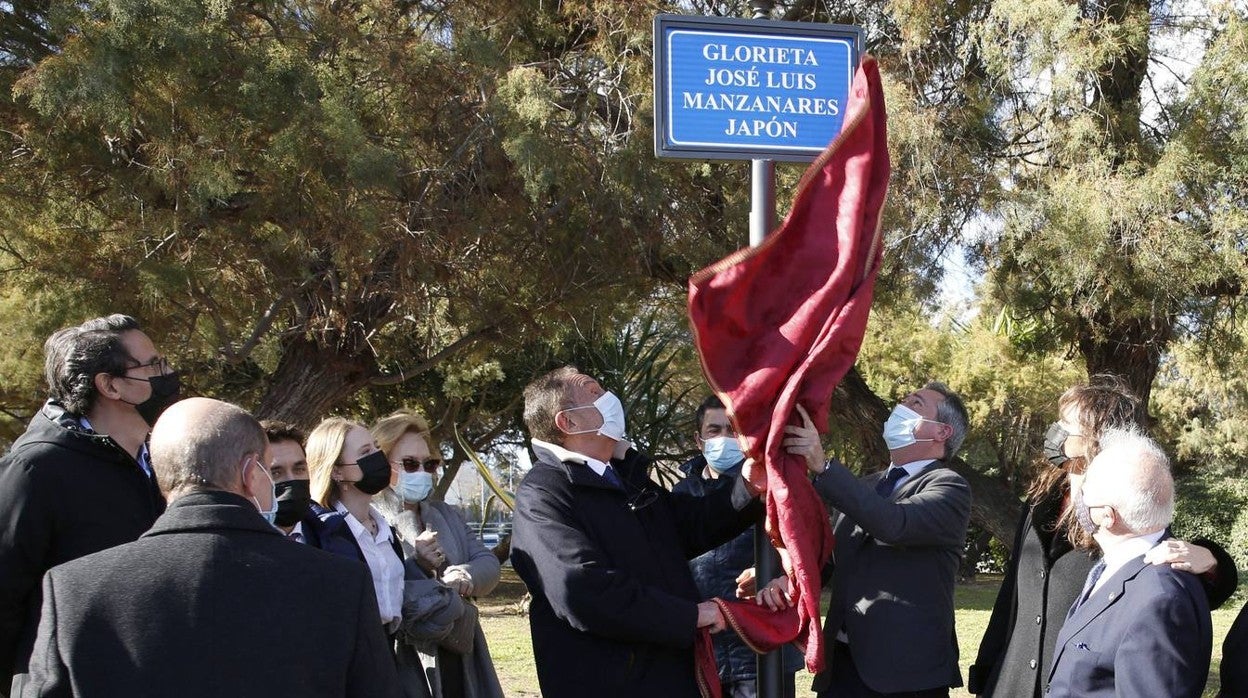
{"points": [[1132, 474], [200, 443]]}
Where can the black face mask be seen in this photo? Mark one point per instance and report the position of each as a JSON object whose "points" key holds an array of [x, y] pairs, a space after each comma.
{"points": [[1054, 445], [166, 390], [294, 499], [375, 473]]}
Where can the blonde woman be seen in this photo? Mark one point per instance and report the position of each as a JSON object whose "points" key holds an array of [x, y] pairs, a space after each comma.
{"points": [[346, 469], [436, 536]]}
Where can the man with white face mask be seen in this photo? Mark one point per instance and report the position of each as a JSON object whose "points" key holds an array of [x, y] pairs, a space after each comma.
{"points": [[604, 550], [899, 540]]}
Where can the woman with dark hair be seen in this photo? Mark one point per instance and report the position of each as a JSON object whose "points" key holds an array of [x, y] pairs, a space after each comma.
{"points": [[1053, 554]]}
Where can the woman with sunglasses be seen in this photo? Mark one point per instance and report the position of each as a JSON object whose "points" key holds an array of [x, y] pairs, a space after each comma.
{"points": [[1053, 554], [437, 537], [346, 470]]}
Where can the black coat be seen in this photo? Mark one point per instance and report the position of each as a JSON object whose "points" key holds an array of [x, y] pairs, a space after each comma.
{"points": [[64, 493], [1044, 576], [1234, 670], [211, 602], [614, 608]]}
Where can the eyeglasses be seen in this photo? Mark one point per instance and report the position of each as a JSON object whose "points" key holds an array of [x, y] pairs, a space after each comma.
{"points": [[411, 465], [160, 363]]}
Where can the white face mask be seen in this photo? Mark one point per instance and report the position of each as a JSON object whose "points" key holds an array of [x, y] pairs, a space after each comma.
{"points": [[899, 429], [612, 412]]}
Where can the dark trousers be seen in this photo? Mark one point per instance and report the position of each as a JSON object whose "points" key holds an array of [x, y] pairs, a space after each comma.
{"points": [[748, 688], [846, 683]]}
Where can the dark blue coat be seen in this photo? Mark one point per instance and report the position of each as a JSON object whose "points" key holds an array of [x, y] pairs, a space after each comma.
{"points": [[715, 572], [1145, 632], [1044, 576], [614, 608]]}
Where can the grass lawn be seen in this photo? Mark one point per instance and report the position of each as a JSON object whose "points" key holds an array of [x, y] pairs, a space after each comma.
{"points": [[507, 631]]}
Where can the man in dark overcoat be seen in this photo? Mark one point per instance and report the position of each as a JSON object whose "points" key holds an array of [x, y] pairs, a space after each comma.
{"points": [[213, 600], [605, 550]]}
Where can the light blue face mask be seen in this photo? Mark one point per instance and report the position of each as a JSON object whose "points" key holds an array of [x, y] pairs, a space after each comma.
{"points": [[271, 514], [722, 453], [415, 487]]}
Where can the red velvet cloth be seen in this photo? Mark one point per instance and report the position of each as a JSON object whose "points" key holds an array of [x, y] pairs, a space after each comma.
{"points": [[782, 323], [761, 629]]}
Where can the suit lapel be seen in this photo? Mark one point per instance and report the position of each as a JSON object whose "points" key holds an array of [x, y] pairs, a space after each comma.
{"points": [[1105, 597], [915, 482]]}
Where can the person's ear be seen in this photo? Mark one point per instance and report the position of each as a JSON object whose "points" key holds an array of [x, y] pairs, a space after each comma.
{"points": [[563, 422], [1109, 518], [105, 385], [244, 476]]}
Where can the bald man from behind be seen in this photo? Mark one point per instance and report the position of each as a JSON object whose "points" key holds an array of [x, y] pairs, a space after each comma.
{"points": [[213, 600]]}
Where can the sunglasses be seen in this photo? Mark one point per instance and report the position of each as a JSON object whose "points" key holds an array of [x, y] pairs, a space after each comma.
{"points": [[411, 465]]}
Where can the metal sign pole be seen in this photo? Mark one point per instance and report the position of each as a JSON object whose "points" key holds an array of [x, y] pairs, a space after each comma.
{"points": [[770, 675]]}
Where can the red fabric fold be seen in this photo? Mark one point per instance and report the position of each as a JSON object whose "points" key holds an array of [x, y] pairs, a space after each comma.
{"points": [[760, 628], [781, 324]]}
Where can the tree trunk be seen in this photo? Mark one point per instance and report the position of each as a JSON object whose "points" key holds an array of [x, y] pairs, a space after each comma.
{"points": [[311, 379], [1130, 349]]}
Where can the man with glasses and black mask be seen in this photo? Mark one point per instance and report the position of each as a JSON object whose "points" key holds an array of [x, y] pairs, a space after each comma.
{"points": [[605, 550], [79, 479]]}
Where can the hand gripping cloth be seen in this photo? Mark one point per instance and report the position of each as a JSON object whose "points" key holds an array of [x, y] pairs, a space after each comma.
{"points": [[780, 324]]}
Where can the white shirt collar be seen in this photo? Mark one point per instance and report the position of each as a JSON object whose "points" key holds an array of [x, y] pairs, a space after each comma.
{"points": [[912, 468], [563, 454], [1126, 551], [357, 528]]}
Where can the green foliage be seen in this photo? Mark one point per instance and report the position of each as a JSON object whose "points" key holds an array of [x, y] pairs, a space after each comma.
{"points": [[1201, 405], [1214, 508]]}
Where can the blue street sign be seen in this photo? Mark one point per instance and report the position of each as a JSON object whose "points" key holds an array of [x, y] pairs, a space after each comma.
{"points": [[734, 89]]}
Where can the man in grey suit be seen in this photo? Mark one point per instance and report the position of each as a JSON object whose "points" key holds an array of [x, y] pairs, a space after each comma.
{"points": [[212, 601], [899, 541], [1137, 629]]}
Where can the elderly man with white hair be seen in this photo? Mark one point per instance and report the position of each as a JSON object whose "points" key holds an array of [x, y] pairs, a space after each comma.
{"points": [[1137, 629]]}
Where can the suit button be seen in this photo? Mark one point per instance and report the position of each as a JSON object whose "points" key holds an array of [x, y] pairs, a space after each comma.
{"points": [[1032, 664], [1042, 574], [1038, 620]]}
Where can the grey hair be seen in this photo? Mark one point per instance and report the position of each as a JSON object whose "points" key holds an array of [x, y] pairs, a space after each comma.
{"points": [[951, 411], [544, 398], [1139, 470], [206, 454]]}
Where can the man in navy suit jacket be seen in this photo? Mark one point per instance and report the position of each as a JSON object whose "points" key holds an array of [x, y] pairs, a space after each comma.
{"points": [[1137, 629]]}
